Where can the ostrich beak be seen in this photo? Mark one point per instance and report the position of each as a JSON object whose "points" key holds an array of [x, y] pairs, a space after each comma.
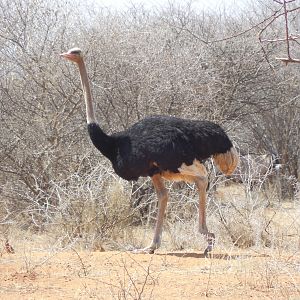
{"points": [[66, 55], [70, 56]]}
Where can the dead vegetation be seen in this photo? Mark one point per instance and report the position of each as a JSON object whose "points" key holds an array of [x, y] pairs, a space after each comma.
{"points": [[61, 204]]}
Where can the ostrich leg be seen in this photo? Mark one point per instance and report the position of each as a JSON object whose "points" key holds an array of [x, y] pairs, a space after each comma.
{"points": [[162, 195], [202, 183]]}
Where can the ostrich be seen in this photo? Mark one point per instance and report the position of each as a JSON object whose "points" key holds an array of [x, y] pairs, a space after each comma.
{"points": [[162, 147]]}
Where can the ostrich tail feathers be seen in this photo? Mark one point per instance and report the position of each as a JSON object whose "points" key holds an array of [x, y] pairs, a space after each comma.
{"points": [[227, 161]]}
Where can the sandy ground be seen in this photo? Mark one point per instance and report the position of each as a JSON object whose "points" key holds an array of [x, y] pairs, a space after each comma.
{"points": [[164, 275]]}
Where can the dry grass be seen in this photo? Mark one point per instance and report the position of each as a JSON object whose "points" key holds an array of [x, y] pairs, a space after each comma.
{"points": [[256, 254]]}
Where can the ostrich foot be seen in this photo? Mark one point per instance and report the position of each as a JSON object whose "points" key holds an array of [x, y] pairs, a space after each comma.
{"points": [[210, 237], [147, 250]]}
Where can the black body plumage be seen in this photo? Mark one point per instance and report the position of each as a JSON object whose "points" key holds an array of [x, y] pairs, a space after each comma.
{"points": [[159, 143]]}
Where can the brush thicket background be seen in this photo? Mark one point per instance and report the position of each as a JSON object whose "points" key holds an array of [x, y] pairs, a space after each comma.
{"points": [[143, 62]]}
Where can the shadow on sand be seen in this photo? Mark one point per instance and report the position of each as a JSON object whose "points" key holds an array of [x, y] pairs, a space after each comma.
{"points": [[224, 256]]}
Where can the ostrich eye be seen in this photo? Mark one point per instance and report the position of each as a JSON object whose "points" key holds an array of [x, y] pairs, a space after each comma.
{"points": [[77, 52]]}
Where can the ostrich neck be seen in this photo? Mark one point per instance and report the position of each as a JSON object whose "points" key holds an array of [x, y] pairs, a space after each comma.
{"points": [[90, 116], [103, 142]]}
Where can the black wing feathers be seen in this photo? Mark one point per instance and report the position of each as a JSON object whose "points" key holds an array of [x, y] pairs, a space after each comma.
{"points": [[162, 143]]}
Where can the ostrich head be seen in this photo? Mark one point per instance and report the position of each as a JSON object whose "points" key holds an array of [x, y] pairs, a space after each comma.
{"points": [[74, 54]]}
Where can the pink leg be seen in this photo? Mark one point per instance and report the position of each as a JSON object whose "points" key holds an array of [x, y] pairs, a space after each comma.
{"points": [[202, 183], [162, 195]]}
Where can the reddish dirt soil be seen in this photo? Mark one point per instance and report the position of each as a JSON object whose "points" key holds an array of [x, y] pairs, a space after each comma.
{"points": [[164, 275]]}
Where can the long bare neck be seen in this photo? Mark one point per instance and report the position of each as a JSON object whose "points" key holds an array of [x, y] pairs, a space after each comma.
{"points": [[102, 141], [90, 115]]}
